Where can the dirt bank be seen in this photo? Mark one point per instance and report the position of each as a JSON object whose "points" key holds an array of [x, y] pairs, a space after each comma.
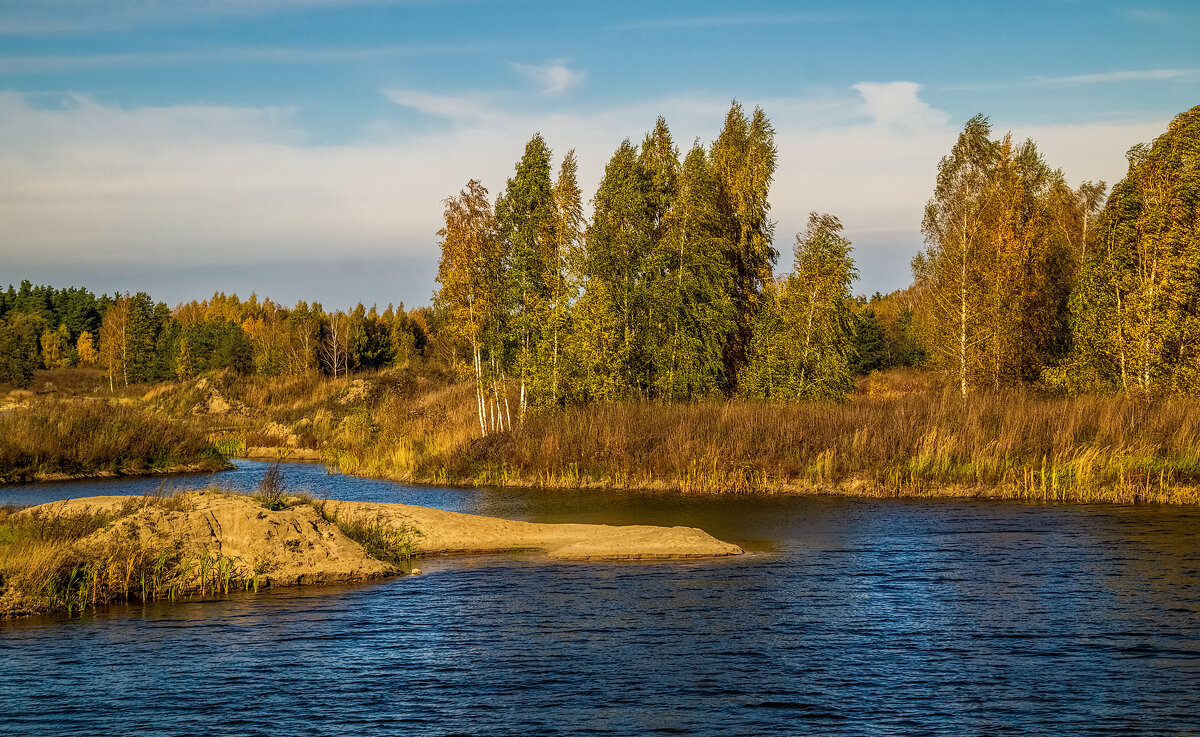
{"points": [[282, 547]]}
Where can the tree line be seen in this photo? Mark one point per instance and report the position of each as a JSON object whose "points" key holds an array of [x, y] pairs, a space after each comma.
{"points": [[668, 290], [1025, 279], [134, 339]]}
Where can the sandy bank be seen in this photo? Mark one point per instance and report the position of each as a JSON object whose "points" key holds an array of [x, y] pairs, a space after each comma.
{"points": [[452, 532], [301, 545], [280, 548]]}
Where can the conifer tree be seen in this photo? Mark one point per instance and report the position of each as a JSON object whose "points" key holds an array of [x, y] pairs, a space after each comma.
{"points": [[868, 342]]}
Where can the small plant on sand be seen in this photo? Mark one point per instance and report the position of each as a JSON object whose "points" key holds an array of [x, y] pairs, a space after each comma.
{"points": [[271, 492], [390, 542]]}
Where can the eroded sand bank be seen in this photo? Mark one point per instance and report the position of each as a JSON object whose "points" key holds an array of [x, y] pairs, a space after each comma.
{"points": [[300, 545]]}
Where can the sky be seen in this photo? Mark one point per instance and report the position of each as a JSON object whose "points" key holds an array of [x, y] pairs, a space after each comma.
{"points": [[301, 149]]}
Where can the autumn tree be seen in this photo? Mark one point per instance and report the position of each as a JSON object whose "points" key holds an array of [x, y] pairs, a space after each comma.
{"points": [[743, 160], [114, 340], [801, 346], [55, 346], [472, 276], [950, 273], [335, 343], [85, 349], [1004, 236], [1136, 309]]}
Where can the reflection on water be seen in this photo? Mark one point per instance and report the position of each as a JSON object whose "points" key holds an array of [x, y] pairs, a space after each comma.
{"points": [[848, 617]]}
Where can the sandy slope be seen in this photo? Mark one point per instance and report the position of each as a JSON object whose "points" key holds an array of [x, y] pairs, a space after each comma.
{"points": [[299, 546]]}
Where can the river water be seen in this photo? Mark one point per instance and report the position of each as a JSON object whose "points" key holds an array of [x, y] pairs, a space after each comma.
{"points": [[847, 617]]}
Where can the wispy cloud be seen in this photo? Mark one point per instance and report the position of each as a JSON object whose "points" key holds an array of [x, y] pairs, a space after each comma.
{"points": [[1141, 75], [1077, 80], [33, 17], [468, 108], [87, 183], [1148, 15], [59, 63], [553, 76], [747, 19]]}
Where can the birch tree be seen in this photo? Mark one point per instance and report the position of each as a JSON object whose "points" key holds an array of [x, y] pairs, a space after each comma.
{"points": [[1136, 312], [743, 159], [526, 216], [950, 272], [694, 291], [472, 276], [801, 347]]}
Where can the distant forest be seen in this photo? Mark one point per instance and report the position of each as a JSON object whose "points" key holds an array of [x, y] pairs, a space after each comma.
{"points": [[669, 292]]}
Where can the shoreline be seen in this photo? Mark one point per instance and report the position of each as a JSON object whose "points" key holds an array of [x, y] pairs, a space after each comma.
{"points": [[210, 541], [1147, 492], [184, 468]]}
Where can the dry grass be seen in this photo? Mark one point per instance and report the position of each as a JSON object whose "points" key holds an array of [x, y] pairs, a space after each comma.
{"points": [[48, 562], [900, 434], [912, 441], [48, 437]]}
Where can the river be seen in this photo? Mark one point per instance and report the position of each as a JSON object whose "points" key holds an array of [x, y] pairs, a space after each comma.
{"points": [[847, 617]]}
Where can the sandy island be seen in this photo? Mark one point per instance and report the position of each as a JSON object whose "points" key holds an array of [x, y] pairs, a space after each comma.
{"points": [[298, 545]]}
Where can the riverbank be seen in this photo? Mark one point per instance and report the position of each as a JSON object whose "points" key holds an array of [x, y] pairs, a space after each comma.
{"points": [[901, 433], [54, 439], [75, 554]]}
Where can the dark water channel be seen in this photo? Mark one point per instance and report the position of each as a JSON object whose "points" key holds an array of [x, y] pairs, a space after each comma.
{"points": [[849, 617]]}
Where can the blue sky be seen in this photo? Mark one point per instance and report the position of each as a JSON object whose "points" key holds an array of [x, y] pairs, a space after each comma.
{"points": [[301, 148]]}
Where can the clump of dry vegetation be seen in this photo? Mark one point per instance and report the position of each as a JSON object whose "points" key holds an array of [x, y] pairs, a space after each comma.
{"points": [[900, 433], [48, 437], [52, 561]]}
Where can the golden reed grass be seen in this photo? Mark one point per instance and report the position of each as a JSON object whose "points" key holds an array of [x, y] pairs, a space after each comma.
{"points": [[1018, 444], [83, 437]]}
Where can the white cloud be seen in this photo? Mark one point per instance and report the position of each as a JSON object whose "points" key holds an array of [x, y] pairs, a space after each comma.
{"points": [[1142, 75], [553, 77], [477, 108], [91, 184], [898, 104]]}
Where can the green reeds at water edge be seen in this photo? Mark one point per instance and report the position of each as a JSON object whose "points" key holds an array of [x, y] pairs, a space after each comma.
{"points": [[383, 540], [141, 574], [47, 565]]}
